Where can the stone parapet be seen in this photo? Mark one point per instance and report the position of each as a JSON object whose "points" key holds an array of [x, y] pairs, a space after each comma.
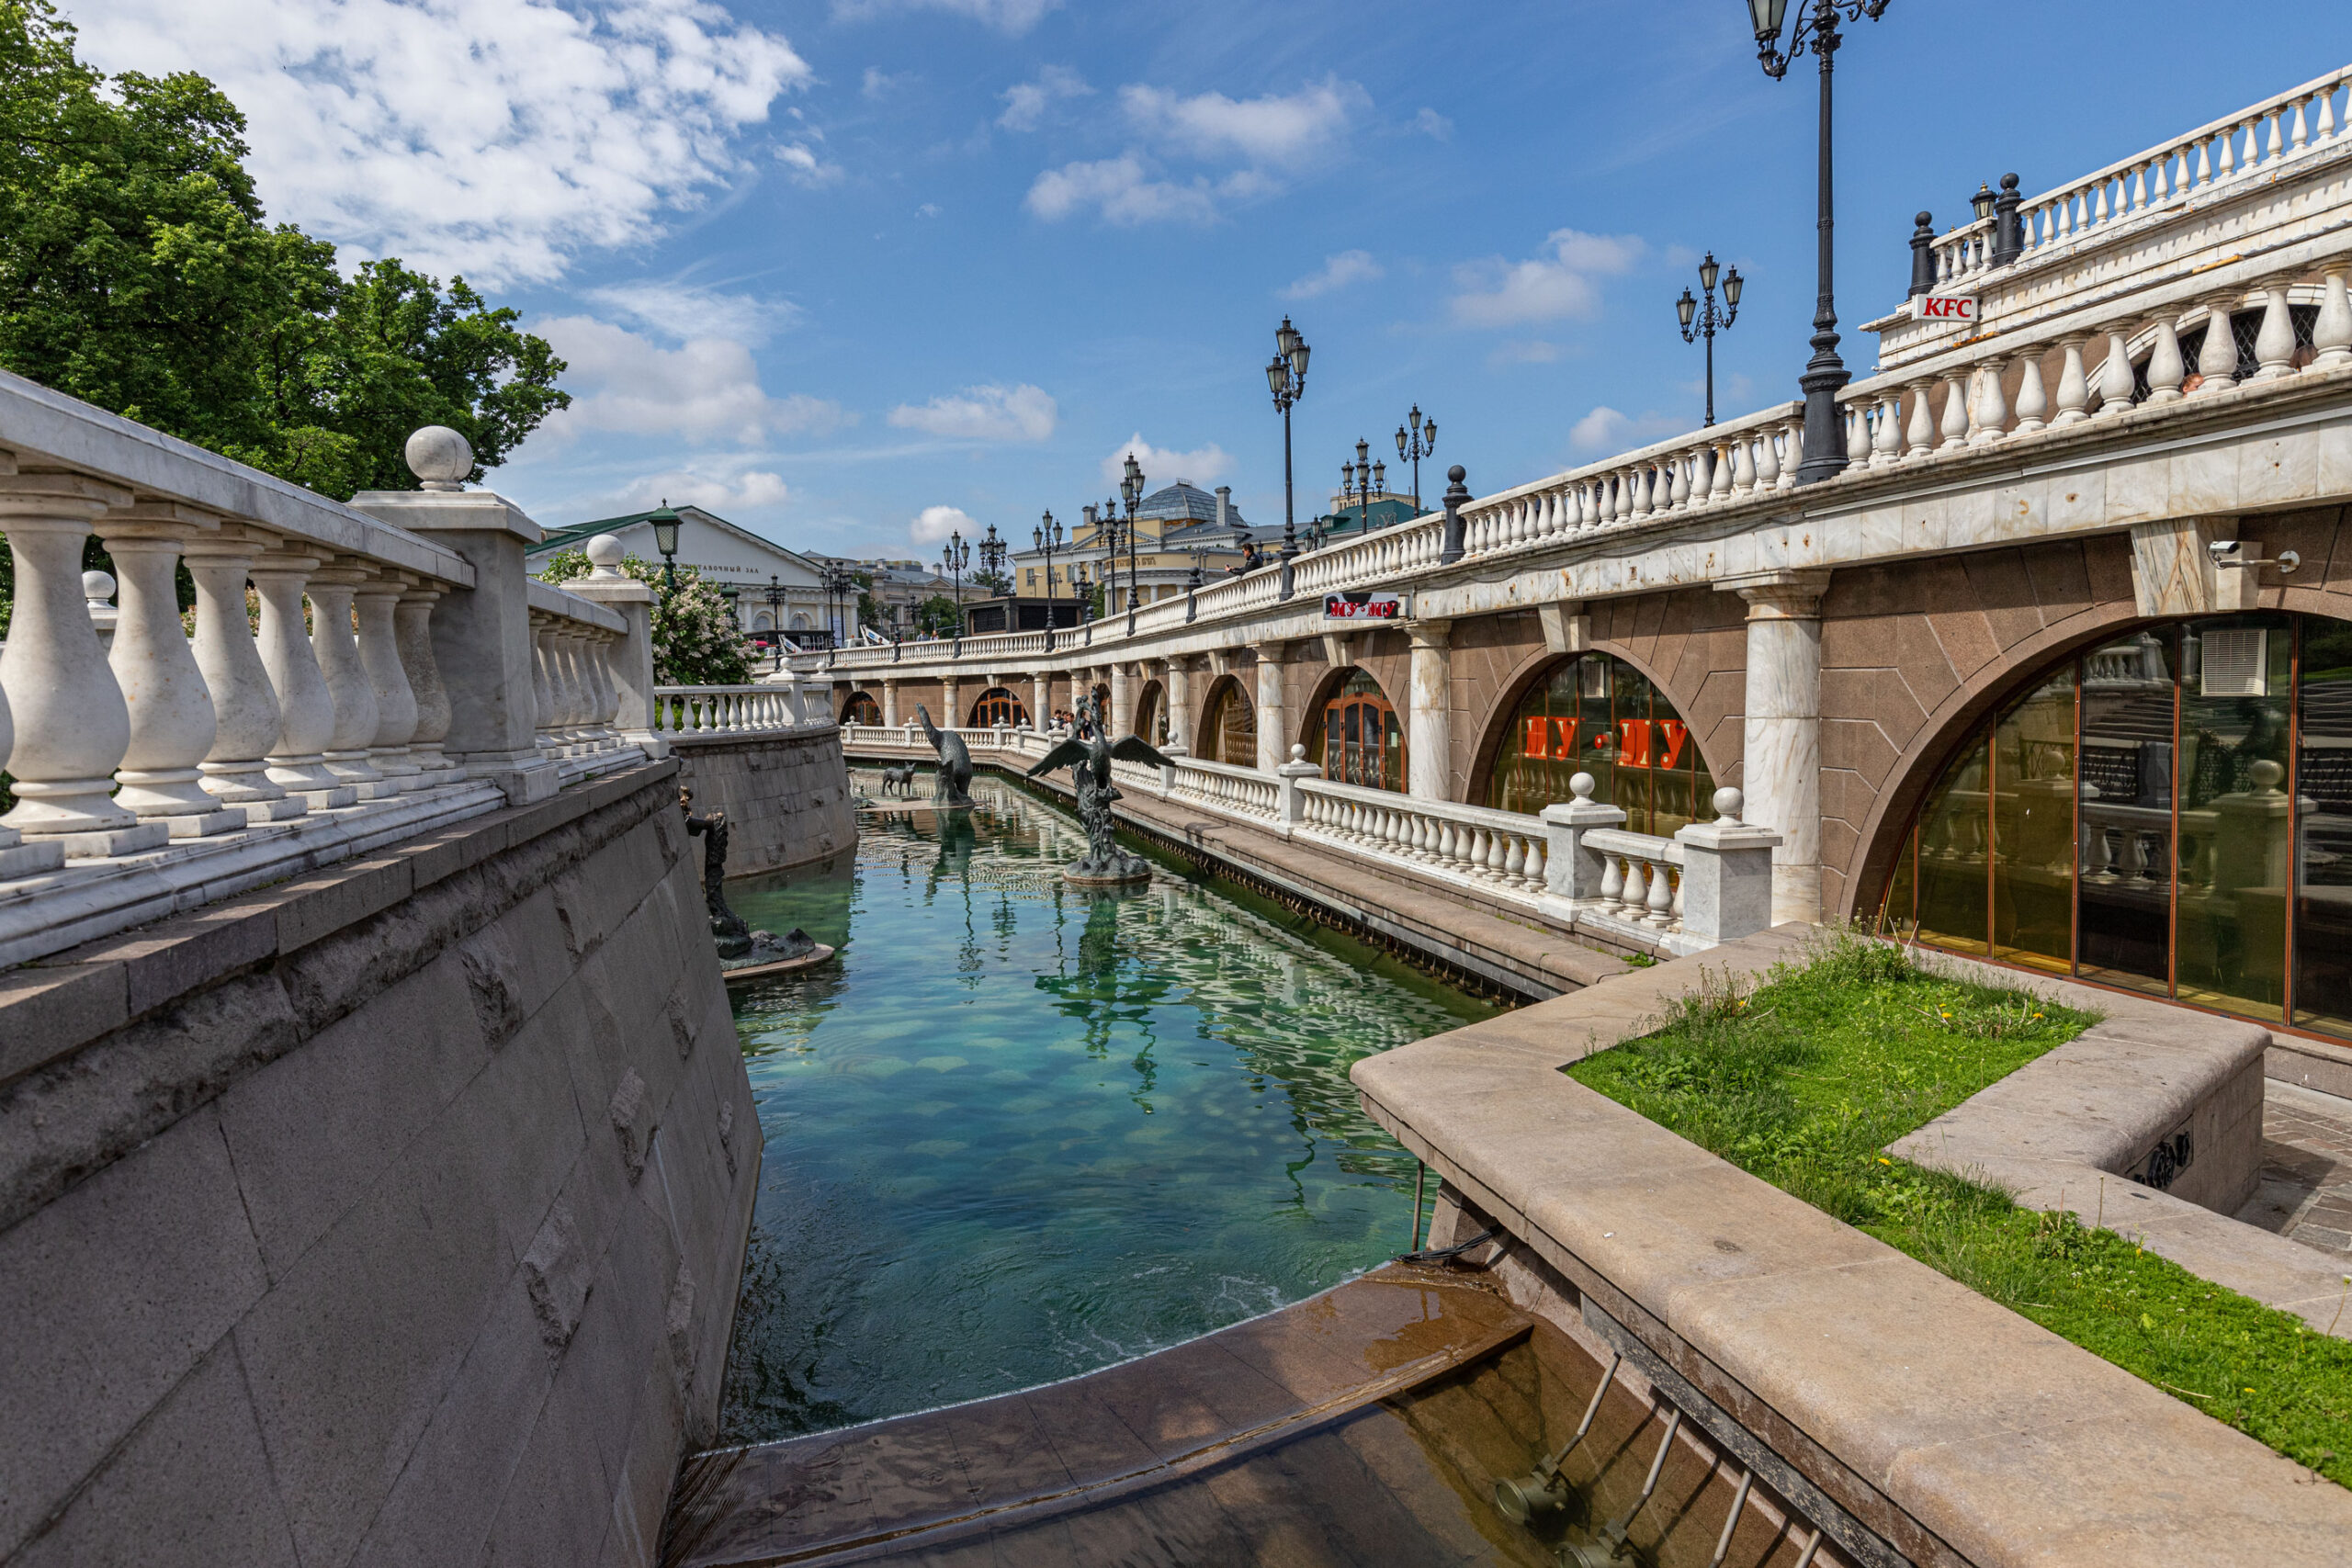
{"points": [[785, 794]]}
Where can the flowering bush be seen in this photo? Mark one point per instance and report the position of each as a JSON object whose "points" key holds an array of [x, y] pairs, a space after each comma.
{"points": [[694, 639]]}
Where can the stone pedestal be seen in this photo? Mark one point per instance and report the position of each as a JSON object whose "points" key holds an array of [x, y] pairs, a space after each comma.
{"points": [[1727, 874]]}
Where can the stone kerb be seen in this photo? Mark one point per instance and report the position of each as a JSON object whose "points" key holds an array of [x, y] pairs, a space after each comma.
{"points": [[1863, 1371]]}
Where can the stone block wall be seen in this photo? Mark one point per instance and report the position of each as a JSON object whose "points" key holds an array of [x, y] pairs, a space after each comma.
{"points": [[395, 1215], [787, 795]]}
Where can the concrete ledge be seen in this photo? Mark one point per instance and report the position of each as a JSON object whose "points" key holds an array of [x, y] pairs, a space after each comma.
{"points": [[785, 794], [1943, 1427]]}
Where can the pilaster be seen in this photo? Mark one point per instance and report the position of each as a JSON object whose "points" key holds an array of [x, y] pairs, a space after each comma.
{"points": [[1782, 736]]}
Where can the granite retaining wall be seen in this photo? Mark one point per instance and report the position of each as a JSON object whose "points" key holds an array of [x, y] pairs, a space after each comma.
{"points": [[786, 795], [395, 1214]]}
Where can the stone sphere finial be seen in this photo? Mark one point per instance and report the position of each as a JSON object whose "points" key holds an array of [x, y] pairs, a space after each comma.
{"points": [[2266, 775], [440, 457], [1581, 787], [97, 587], [605, 554], [1727, 804], [1298, 752]]}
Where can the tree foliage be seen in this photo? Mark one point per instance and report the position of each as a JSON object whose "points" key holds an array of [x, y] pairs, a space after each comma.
{"points": [[696, 642], [138, 271]]}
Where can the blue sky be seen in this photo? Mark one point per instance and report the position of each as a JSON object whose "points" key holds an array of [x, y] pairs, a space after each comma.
{"points": [[854, 272]]}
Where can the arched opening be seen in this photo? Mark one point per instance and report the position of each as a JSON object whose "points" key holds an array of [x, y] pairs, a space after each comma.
{"points": [[2169, 811], [1229, 729], [1151, 714], [1358, 737], [1596, 714], [763, 622], [800, 622], [860, 708], [999, 705]]}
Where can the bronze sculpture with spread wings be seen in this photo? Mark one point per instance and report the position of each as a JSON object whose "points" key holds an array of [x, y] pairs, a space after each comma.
{"points": [[1088, 754]]}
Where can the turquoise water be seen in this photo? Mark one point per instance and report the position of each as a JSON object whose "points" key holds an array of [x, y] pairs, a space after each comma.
{"points": [[1018, 1132]]}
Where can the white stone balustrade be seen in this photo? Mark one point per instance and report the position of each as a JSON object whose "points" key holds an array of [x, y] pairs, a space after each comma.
{"points": [[725, 710]]}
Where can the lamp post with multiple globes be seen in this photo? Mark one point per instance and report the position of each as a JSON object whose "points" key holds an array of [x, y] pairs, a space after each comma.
{"points": [[1287, 375]]}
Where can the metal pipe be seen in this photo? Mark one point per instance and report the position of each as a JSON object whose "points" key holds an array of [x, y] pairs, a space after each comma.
{"points": [[1592, 1405], [1731, 1521], [1806, 1558], [1673, 1424]]}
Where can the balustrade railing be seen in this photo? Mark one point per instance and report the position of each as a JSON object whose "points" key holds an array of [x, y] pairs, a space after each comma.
{"points": [[725, 710], [1501, 851]]}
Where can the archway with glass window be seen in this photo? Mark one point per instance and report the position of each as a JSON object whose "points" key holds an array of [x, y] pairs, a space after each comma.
{"points": [[860, 708], [998, 705], [1151, 714], [1597, 714], [1357, 736], [2169, 811], [1229, 725]]}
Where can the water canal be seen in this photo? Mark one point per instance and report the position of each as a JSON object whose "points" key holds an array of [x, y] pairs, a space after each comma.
{"points": [[1017, 1131]]}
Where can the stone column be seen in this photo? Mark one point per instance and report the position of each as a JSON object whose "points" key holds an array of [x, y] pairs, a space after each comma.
{"points": [[379, 655], [1428, 712], [481, 634], [1273, 725], [1780, 764], [245, 716], [631, 663], [1180, 701], [412, 633], [305, 707], [1041, 702], [1123, 707], [890, 701], [954, 716], [172, 727]]}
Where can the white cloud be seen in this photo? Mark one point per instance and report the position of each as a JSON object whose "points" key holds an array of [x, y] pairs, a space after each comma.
{"points": [[719, 492], [983, 414], [1338, 272], [1559, 284], [1529, 351], [1433, 125], [1026, 102], [880, 83], [1605, 430], [1123, 192], [496, 137], [1285, 131], [933, 523], [690, 311], [707, 390], [1015, 17], [803, 167], [1202, 465]]}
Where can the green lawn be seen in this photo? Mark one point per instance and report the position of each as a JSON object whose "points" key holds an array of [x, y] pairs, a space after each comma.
{"points": [[1805, 1080]]}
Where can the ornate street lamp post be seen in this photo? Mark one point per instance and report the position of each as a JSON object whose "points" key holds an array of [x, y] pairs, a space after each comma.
{"points": [[1825, 437], [665, 540], [1705, 321], [775, 620], [1049, 538], [1286, 374], [1416, 439], [1131, 491], [1359, 481], [953, 557], [992, 556]]}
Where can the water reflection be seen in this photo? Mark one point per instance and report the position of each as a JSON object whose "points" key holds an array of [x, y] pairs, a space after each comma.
{"points": [[1020, 1131]]}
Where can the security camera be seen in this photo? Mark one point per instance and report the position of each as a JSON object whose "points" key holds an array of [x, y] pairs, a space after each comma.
{"points": [[2222, 549]]}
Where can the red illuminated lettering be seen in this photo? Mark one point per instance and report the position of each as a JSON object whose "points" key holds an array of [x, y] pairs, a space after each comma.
{"points": [[1676, 733], [1564, 737], [1535, 734], [1633, 743]]}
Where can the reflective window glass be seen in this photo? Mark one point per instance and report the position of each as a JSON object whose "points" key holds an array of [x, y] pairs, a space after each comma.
{"points": [[1598, 715], [2230, 923], [2033, 829], [1953, 839], [2323, 833], [2124, 845]]}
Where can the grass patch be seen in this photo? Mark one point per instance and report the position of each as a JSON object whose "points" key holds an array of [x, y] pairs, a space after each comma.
{"points": [[1804, 1080]]}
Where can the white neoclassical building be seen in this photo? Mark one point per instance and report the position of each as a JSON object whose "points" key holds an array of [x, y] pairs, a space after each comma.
{"points": [[771, 587]]}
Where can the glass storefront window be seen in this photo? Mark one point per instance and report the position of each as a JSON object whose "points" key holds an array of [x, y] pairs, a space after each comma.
{"points": [[860, 708], [2169, 812], [1360, 739], [1598, 715], [998, 705], [1231, 729]]}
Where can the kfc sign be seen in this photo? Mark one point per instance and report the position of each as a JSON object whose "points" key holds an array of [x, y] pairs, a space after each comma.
{"points": [[1959, 308], [1363, 606]]}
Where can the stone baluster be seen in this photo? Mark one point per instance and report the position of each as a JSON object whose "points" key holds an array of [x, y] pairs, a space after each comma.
{"points": [[71, 725], [2217, 357], [332, 591], [1886, 429], [2166, 371], [172, 727], [2332, 332], [1719, 486], [305, 706], [2074, 386], [609, 695], [246, 718], [1743, 466], [1920, 436], [574, 697], [1955, 422], [1857, 435], [379, 655], [1678, 487], [2115, 381], [412, 635], [1768, 460], [1991, 415], [2033, 402], [2273, 345], [543, 693]]}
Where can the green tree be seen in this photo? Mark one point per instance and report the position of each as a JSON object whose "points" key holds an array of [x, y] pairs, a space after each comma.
{"points": [[138, 271], [696, 642], [938, 615]]}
